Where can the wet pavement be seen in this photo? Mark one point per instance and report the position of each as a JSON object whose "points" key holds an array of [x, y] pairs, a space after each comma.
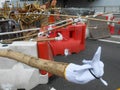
{"points": [[111, 58]]}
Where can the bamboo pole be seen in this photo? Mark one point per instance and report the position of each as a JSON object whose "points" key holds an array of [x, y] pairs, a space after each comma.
{"points": [[20, 31], [73, 16], [69, 23], [44, 39], [84, 17], [101, 20], [57, 68], [11, 40]]}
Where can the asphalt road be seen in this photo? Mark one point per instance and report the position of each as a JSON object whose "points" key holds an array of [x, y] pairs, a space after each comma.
{"points": [[111, 58]]}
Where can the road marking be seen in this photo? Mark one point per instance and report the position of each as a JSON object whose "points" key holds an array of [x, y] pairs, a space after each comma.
{"points": [[109, 41], [112, 41], [115, 36]]}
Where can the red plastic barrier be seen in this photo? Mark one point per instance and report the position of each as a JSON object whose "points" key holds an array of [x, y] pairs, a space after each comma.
{"points": [[51, 19], [73, 39], [110, 26], [119, 32], [112, 29], [44, 51], [82, 43]]}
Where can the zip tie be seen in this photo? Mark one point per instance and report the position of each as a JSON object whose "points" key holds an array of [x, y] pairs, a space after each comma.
{"points": [[100, 78], [104, 82], [50, 28], [48, 14], [40, 34], [71, 19], [76, 20], [93, 74]]}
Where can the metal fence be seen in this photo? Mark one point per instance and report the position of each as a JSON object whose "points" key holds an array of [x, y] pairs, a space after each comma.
{"points": [[105, 9], [113, 9]]}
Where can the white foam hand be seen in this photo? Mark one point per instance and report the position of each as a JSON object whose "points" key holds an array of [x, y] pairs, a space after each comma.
{"points": [[90, 70]]}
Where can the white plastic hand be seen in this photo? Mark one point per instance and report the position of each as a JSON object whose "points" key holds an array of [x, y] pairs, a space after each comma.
{"points": [[60, 37]]}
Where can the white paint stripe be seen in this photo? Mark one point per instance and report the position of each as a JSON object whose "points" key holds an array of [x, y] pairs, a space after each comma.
{"points": [[116, 36], [109, 41]]}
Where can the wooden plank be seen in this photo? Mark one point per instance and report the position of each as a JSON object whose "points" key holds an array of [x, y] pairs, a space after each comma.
{"points": [[102, 30]]}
